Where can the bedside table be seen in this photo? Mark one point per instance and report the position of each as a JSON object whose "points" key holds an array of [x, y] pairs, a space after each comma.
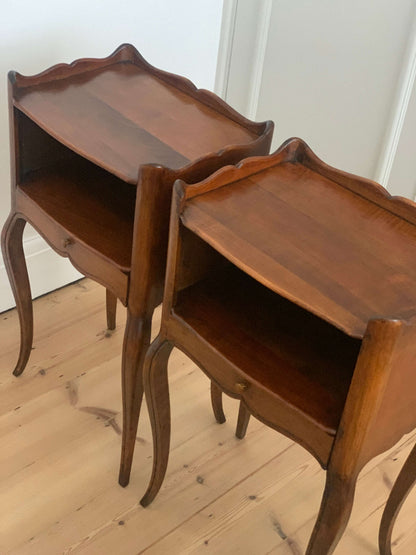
{"points": [[83, 136], [293, 286]]}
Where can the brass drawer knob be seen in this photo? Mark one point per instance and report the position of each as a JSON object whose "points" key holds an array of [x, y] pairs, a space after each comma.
{"points": [[241, 386], [67, 242]]}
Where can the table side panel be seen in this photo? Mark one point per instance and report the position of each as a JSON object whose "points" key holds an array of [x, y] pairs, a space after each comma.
{"points": [[396, 413]]}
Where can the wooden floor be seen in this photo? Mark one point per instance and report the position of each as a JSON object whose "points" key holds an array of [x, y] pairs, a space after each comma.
{"points": [[60, 441]]}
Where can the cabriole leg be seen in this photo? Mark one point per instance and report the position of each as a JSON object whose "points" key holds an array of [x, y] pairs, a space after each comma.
{"points": [[242, 422], [401, 489], [136, 342], [157, 397], [14, 260], [334, 514], [111, 308], [216, 402]]}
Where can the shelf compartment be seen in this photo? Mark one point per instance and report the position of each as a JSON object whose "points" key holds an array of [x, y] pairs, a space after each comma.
{"points": [[123, 115], [313, 241], [90, 205], [274, 343]]}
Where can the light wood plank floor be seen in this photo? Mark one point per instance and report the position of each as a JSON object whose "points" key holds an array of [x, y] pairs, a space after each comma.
{"points": [[60, 443]]}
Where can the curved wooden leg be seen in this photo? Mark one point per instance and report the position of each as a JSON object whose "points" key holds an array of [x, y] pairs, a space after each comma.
{"points": [[111, 308], [401, 489], [216, 402], [334, 514], [136, 342], [157, 397], [242, 422], [14, 260]]}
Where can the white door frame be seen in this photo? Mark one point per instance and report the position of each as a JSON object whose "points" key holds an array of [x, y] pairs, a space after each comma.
{"points": [[253, 77]]}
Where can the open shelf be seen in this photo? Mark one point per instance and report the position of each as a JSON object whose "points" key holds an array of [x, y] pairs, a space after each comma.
{"points": [[122, 116], [312, 241], [296, 355], [88, 203]]}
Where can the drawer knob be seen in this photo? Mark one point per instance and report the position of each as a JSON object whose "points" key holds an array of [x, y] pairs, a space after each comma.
{"points": [[241, 386], [67, 242]]}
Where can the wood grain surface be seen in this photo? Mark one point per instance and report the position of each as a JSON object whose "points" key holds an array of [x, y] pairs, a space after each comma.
{"points": [[138, 118]]}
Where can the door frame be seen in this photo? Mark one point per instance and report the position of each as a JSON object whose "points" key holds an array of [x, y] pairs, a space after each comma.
{"points": [[251, 80]]}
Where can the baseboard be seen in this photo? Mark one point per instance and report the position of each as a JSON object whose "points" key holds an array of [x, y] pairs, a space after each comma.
{"points": [[47, 271]]}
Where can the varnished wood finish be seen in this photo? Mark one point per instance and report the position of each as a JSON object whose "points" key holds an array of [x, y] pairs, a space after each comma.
{"points": [[218, 314], [242, 422], [104, 218], [81, 137], [306, 312], [111, 309], [312, 241], [334, 513], [136, 342], [157, 388], [401, 489], [77, 103], [14, 261], [216, 401]]}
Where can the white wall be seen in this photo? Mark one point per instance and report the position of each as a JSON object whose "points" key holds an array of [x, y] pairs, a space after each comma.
{"points": [[180, 36], [328, 72]]}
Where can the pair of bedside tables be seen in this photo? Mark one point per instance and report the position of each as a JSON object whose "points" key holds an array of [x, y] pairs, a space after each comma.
{"points": [[290, 283]]}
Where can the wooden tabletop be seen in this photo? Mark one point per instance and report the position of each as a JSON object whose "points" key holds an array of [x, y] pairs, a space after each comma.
{"points": [[122, 116], [306, 237]]}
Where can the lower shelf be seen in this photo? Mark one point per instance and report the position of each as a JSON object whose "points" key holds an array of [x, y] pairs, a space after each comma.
{"points": [[276, 344], [92, 205]]}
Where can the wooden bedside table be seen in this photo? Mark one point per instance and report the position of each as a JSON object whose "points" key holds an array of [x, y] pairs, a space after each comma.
{"points": [[81, 136], [293, 286]]}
